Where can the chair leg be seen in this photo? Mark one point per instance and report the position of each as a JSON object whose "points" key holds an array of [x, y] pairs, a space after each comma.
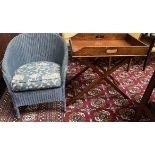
{"points": [[17, 112], [64, 105]]}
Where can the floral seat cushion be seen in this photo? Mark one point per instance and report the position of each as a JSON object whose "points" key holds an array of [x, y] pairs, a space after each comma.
{"points": [[36, 75]]}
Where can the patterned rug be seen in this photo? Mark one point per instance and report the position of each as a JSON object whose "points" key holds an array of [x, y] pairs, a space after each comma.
{"points": [[48, 112], [101, 104]]}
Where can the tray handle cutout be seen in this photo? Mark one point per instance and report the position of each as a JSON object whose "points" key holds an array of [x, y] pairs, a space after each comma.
{"points": [[99, 37], [111, 51]]}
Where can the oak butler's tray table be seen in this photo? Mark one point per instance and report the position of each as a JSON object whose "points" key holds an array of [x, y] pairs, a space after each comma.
{"points": [[88, 48]]}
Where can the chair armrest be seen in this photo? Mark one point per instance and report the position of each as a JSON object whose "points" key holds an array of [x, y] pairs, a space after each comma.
{"points": [[6, 74], [7, 77], [64, 66]]}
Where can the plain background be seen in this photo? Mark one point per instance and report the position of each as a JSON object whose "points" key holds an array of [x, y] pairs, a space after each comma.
{"points": [[73, 16]]}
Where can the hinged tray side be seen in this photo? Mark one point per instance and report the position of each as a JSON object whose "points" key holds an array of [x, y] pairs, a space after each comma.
{"points": [[99, 36], [110, 51], [134, 41], [87, 45]]}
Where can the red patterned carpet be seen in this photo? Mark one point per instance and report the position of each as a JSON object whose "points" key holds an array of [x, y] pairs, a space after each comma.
{"points": [[42, 113], [101, 104]]}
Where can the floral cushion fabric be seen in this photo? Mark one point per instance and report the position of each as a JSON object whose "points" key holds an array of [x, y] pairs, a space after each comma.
{"points": [[36, 75]]}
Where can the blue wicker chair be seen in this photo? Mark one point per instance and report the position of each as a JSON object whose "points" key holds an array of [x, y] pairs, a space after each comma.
{"points": [[27, 48]]}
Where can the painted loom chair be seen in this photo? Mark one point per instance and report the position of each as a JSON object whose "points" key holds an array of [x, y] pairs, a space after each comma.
{"points": [[31, 48]]}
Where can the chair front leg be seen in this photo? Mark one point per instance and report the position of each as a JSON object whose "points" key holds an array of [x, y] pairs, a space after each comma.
{"points": [[17, 112]]}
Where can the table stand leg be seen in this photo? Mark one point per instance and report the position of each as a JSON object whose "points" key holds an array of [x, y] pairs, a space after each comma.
{"points": [[129, 64], [82, 71], [142, 107], [103, 76]]}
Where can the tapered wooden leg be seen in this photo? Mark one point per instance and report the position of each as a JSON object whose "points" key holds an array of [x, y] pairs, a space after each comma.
{"points": [[129, 64], [145, 62], [109, 65]]}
